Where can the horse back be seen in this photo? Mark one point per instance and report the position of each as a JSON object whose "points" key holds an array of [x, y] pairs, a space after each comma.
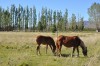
{"points": [[44, 39], [69, 41]]}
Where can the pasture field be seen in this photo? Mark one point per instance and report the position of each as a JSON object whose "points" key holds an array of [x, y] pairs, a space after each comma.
{"points": [[19, 49]]}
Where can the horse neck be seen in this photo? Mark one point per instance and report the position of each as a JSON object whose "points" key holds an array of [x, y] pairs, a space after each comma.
{"points": [[82, 45], [53, 46]]}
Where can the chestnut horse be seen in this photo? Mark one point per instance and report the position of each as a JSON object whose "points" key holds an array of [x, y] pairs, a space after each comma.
{"points": [[70, 41], [45, 40]]}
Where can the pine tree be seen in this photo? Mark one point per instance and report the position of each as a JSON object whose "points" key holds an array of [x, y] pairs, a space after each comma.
{"points": [[34, 18], [73, 22], [26, 18], [66, 20]]}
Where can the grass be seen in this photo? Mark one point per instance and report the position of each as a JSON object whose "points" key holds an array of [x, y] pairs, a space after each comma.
{"points": [[19, 49]]}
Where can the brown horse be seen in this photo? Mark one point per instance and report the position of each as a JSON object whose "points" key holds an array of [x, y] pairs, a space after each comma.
{"points": [[46, 40], [70, 41]]}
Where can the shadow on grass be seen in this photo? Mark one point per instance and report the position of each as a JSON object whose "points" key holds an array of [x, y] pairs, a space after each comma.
{"points": [[69, 55], [65, 55]]}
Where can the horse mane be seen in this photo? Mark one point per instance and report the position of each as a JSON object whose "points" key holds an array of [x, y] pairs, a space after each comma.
{"points": [[82, 45]]}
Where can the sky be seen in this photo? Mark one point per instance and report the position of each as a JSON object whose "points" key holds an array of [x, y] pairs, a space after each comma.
{"points": [[77, 7]]}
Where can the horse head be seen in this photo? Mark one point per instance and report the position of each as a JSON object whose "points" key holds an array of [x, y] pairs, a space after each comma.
{"points": [[54, 50], [85, 51]]}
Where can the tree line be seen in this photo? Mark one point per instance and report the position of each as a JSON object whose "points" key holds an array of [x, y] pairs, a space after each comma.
{"points": [[26, 19]]}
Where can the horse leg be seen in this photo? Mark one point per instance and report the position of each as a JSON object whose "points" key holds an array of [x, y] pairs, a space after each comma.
{"points": [[51, 48], [57, 49], [78, 51], [46, 48], [60, 50], [59, 46], [38, 49], [73, 51]]}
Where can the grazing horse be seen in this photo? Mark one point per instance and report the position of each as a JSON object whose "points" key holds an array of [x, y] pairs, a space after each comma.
{"points": [[70, 41], [45, 40]]}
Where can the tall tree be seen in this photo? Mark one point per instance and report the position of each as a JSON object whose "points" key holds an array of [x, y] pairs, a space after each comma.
{"points": [[12, 13], [30, 19], [43, 19], [81, 24], [34, 18], [26, 18], [40, 26], [19, 17], [60, 21], [54, 22], [73, 22], [0, 17], [66, 19], [48, 23], [94, 14], [16, 18]]}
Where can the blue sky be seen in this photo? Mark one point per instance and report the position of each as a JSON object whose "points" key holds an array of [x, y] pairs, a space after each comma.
{"points": [[73, 6]]}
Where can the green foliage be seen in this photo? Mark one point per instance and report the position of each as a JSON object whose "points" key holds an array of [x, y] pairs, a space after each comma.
{"points": [[53, 29], [40, 26], [66, 20], [81, 24], [73, 22], [34, 18]]}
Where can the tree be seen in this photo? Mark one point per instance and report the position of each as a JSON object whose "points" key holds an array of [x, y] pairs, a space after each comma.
{"points": [[49, 20], [66, 19], [19, 17], [34, 18], [12, 14], [43, 19], [26, 18], [94, 14], [5, 19], [40, 26], [30, 19], [54, 22], [81, 24], [73, 22], [0, 18], [16, 19]]}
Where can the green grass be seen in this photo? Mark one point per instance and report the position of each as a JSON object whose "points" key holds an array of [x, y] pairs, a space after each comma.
{"points": [[19, 49]]}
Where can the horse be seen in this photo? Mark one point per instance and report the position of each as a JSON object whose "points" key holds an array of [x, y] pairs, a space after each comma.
{"points": [[70, 41], [45, 40]]}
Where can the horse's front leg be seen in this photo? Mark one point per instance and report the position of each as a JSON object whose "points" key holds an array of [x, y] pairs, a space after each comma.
{"points": [[77, 52], [73, 52], [38, 50], [60, 50], [46, 48], [51, 48]]}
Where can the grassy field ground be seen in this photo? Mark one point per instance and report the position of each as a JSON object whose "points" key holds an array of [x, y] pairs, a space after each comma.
{"points": [[19, 49]]}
